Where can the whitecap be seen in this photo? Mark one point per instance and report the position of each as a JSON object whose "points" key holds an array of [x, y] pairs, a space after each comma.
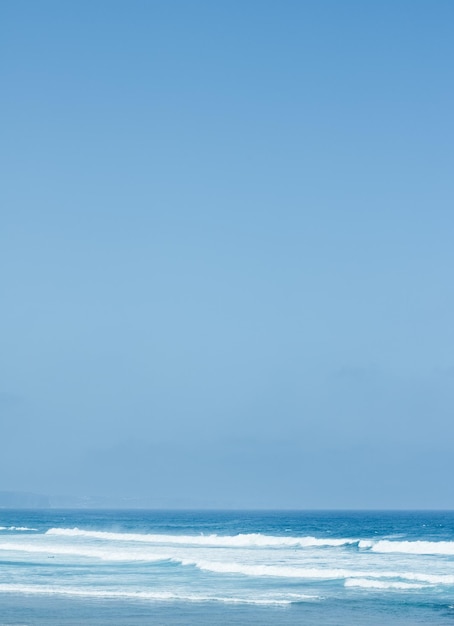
{"points": [[366, 583], [251, 540]]}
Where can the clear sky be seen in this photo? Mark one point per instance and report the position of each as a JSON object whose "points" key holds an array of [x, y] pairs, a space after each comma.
{"points": [[226, 251]]}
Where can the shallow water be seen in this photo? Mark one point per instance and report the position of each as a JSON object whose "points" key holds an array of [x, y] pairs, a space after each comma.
{"points": [[167, 567]]}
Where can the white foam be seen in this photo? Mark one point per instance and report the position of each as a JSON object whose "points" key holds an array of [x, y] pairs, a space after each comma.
{"points": [[365, 583], [282, 571], [17, 528], [365, 544], [159, 596], [229, 541], [433, 579], [104, 553], [413, 547]]}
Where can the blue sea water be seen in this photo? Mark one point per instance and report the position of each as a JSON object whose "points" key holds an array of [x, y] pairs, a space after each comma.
{"points": [[130, 568]]}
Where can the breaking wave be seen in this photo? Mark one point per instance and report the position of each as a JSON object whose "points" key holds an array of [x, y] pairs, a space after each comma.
{"points": [[283, 571], [158, 554], [222, 541], [157, 596], [379, 584], [410, 547], [103, 553], [17, 528]]}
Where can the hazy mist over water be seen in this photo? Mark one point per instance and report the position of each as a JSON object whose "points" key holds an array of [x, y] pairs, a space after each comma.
{"points": [[226, 254]]}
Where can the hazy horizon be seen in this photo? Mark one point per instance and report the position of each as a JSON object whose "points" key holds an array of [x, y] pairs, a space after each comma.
{"points": [[31, 501], [226, 253]]}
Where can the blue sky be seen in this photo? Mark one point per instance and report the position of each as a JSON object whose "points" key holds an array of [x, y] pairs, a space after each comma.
{"points": [[226, 252]]}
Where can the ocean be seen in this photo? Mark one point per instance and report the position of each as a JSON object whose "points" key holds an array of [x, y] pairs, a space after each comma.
{"points": [[309, 568]]}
